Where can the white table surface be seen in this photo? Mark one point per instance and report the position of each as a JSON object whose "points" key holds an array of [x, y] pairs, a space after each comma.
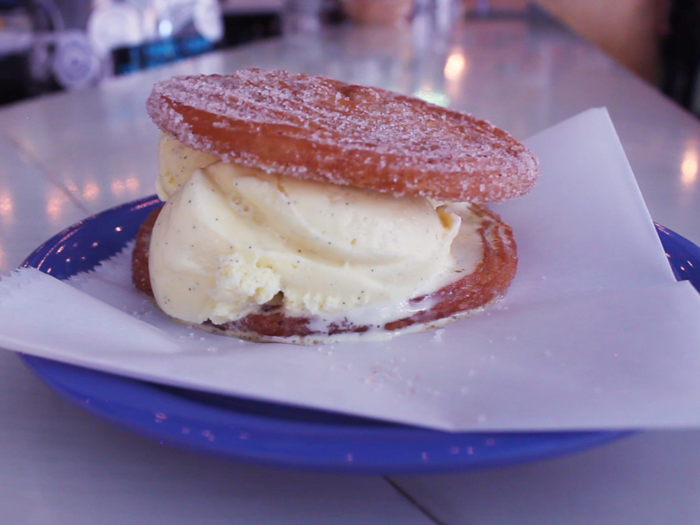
{"points": [[66, 156]]}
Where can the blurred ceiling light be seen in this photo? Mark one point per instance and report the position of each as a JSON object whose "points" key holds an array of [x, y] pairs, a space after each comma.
{"points": [[118, 187], [54, 206], [91, 191], [6, 205], [454, 67], [689, 167], [133, 184]]}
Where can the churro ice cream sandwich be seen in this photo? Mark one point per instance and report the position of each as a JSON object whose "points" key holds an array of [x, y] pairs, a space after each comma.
{"points": [[303, 209]]}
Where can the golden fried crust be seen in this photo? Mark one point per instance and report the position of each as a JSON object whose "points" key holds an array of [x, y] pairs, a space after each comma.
{"points": [[461, 298], [140, 274], [312, 127]]}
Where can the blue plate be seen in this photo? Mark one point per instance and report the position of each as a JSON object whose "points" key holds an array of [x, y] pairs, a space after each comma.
{"points": [[276, 434]]}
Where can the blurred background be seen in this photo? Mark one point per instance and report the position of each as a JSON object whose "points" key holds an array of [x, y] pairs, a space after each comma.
{"points": [[50, 45]]}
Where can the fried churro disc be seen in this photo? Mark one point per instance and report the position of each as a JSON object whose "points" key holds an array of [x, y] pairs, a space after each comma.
{"points": [[312, 127], [465, 296]]}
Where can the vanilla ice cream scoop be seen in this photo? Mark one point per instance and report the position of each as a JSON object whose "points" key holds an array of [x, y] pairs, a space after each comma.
{"points": [[231, 239], [176, 164]]}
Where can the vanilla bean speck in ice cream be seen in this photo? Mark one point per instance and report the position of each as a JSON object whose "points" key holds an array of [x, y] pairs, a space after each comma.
{"points": [[231, 238]]}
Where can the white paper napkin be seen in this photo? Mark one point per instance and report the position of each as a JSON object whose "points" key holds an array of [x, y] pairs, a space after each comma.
{"points": [[594, 333]]}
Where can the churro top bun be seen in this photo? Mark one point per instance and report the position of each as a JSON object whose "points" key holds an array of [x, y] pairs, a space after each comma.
{"points": [[316, 128]]}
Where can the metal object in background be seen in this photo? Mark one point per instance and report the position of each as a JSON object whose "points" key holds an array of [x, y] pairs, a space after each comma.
{"points": [[61, 54], [112, 25], [206, 17], [75, 64], [169, 30], [73, 44]]}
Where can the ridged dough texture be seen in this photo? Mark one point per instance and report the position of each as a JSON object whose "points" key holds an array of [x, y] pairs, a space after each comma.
{"points": [[316, 128]]}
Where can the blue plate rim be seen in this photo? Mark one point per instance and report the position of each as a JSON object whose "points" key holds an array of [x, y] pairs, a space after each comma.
{"points": [[259, 439]]}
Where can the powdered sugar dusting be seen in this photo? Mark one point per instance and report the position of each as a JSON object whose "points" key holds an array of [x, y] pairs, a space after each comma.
{"points": [[314, 127]]}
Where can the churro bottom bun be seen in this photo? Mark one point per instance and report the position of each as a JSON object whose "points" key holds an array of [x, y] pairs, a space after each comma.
{"points": [[466, 296]]}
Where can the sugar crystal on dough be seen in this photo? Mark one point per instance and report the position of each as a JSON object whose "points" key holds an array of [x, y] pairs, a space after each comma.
{"points": [[396, 143]]}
